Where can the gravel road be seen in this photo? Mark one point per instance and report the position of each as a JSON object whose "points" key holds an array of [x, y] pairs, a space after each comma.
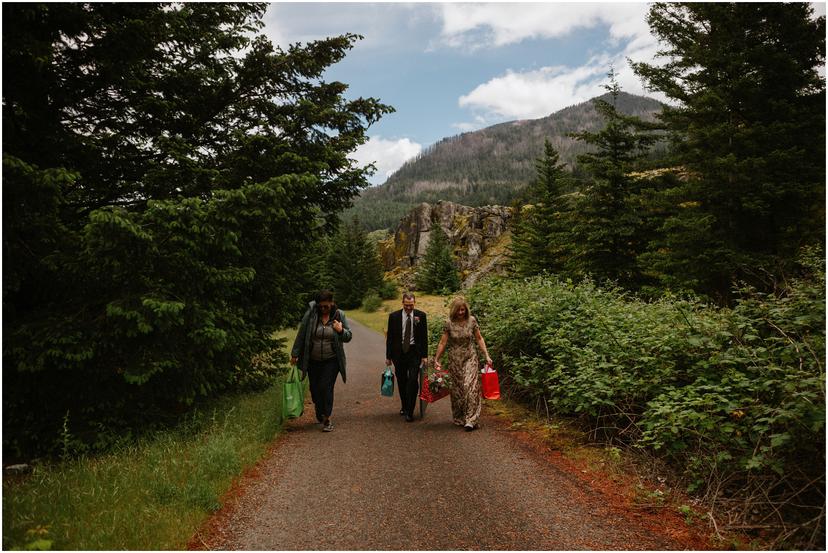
{"points": [[379, 483]]}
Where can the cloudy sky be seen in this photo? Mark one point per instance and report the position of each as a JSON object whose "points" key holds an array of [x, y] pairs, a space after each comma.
{"points": [[449, 68]]}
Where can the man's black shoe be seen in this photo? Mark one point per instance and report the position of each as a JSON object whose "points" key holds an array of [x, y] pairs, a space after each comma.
{"points": [[409, 418]]}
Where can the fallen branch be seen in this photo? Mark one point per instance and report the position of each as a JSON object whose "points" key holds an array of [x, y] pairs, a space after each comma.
{"points": [[715, 526]]}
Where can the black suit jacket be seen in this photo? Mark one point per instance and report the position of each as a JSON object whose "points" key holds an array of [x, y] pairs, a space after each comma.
{"points": [[393, 337]]}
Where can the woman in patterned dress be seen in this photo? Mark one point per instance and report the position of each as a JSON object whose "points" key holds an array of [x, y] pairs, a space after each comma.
{"points": [[460, 333]]}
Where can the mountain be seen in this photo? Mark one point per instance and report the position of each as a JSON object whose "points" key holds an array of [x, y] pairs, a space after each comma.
{"points": [[489, 166]]}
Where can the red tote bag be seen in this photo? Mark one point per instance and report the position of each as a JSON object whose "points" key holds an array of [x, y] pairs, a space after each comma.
{"points": [[425, 391], [489, 383]]}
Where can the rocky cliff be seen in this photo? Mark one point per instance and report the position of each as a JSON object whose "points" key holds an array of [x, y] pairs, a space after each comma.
{"points": [[479, 237]]}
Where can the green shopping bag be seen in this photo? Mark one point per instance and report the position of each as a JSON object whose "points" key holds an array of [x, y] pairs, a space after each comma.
{"points": [[293, 403]]}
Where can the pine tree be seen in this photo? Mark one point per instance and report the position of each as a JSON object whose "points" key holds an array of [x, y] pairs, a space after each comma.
{"points": [[372, 266], [165, 168], [314, 270], [605, 228], [437, 272], [749, 131], [353, 266], [540, 239]]}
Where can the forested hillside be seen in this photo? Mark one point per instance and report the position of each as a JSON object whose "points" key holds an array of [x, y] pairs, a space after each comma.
{"points": [[489, 166]]}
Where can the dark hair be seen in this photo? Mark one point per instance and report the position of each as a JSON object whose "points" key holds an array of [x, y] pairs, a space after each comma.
{"points": [[324, 295], [408, 295], [327, 295]]}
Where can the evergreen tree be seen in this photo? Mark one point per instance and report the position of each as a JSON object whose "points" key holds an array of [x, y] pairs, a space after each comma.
{"points": [[540, 239], [353, 267], [346, 272], [164, 169], [372, 266], [314, 268], [749, 130], [437, 273], [606, 230]]}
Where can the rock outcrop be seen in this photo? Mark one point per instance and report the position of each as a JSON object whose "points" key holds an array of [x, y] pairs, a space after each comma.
{"points": [[479, 237]]}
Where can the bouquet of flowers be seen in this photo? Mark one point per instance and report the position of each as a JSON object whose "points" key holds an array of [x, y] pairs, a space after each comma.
{"points": [[439, 381], [435, 385]]}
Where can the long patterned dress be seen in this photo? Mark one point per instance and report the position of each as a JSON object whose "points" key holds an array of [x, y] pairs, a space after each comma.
{"points": [[464, 372]]}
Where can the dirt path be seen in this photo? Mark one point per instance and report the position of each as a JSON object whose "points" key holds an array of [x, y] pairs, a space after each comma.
{"points": [[378, 482]]}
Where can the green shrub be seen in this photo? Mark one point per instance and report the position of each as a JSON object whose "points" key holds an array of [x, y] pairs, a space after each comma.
{"points": [[435, 331], [371, 302], [738, 393], [388, 290]]}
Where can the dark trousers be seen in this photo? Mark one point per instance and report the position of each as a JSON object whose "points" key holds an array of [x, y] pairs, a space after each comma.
{"points": [[407, 369], [322, 375]]}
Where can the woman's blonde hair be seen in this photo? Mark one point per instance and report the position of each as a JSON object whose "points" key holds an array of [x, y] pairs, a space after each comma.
{"points": [[455, 306]]}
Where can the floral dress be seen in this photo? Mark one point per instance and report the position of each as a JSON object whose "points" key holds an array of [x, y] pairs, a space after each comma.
{"points": [[464, 372]]}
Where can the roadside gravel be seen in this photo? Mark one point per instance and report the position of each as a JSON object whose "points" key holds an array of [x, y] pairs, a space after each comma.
{"points": [[379, 483]]}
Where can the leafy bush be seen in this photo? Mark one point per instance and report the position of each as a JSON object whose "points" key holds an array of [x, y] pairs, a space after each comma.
{"points": [[435, 331], [737, 393], [388, 290], [371, 302]]}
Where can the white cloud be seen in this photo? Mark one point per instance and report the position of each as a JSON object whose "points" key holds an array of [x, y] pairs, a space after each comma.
{"points": [[539, 92], [479, 122], [534, 94], [465, 126], [386, 155], [477, 25]]}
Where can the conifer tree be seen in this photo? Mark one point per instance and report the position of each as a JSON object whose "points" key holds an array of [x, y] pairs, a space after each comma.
{"points": [[437, 272], [314, 268], [540, 238], [748, 126], [372, 266], [165, 168], [353, 268], [606, 230]]}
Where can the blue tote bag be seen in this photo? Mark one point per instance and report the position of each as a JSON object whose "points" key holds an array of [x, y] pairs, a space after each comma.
{"points": [[387, 383]]}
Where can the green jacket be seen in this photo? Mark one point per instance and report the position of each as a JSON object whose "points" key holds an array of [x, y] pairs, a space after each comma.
{"points": [[302, 344]]}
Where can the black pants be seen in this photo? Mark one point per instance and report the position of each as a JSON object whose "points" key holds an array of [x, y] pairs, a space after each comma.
{"points": [[407, 369], [322, 375]]}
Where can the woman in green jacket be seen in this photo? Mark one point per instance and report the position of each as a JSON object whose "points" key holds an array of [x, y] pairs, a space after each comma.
{"points": [[319, 350]]}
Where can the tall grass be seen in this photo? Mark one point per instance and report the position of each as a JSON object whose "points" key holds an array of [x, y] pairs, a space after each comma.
{"points": [[150, 495]]}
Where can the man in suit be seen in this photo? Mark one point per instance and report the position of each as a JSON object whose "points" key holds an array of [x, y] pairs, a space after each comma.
{"points": [[406, 345]]}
